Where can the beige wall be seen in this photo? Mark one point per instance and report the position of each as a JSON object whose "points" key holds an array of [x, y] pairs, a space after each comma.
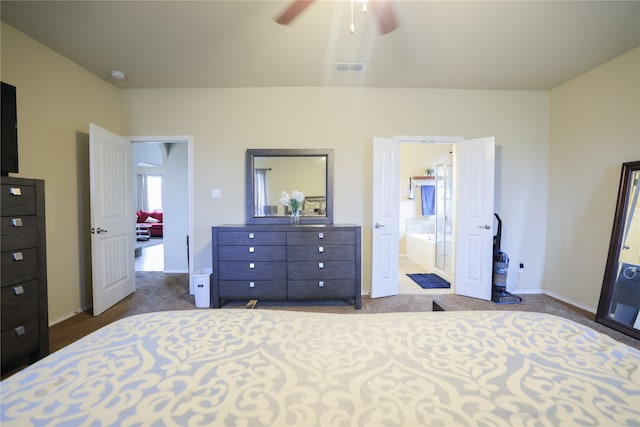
{"points": [[225, 122], [593, 123], [595, 126], [56, 101]]}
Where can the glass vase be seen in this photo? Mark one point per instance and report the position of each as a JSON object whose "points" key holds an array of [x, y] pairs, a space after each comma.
{"points": [[295, 218]]}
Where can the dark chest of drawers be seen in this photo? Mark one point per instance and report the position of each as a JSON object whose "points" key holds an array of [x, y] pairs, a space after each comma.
{"points": [[286, 263], [23, 296]]}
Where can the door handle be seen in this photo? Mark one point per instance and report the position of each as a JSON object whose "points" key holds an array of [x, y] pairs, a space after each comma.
{"points": [[98, 230], [486, 226], [378, 225]]}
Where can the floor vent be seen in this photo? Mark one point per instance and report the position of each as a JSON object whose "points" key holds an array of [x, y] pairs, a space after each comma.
{"points": [[350, 67]]}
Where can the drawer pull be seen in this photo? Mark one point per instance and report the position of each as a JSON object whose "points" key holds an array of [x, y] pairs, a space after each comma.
{"points": [[252, 249], [252, 284], [16, 222], [18, 290], [17, 256], [321, 284], [15, 191], [251, 235], [321, 249], [20, 331], [252, 265], [320, 235], [321, 265]]}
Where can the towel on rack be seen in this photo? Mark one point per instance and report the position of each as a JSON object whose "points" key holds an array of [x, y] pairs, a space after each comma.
{"points": [[428, 199]]}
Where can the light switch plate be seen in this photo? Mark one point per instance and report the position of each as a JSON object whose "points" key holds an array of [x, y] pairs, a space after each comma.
{"points": [[216, 193]]}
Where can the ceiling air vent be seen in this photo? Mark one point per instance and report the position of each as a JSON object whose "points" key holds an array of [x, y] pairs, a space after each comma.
{"points": [[350, 67]]}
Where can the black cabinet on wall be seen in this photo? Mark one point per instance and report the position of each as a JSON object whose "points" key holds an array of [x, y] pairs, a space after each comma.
{"points": [[286, 263], [23, 297]]}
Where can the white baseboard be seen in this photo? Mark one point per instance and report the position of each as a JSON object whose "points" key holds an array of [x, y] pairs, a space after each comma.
{"points": [[572, 302], [63, 317]]}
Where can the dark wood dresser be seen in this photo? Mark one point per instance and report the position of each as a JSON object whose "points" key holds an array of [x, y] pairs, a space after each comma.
{"points": [[23, 303], [286, 263]]}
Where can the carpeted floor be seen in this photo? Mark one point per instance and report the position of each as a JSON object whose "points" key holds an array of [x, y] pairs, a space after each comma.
{"points": [[157, 291]]}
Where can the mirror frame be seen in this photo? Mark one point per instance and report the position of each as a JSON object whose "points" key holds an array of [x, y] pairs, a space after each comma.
{"points": [[283, 152], [611, 269]]}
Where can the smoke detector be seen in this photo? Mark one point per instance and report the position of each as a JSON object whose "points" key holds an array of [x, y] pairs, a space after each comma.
{"points": [[118, 75]]}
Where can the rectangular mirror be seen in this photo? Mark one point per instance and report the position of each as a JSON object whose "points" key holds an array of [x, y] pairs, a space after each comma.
{"points": [[269, 172], [619, 306]]}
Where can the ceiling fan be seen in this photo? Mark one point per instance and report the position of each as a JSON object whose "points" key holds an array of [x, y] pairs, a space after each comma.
{"points": [[381, 8]]}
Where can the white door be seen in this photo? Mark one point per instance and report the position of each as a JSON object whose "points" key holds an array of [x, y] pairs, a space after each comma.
{"points": [[386, 206], [112, 217], [475, 159]]}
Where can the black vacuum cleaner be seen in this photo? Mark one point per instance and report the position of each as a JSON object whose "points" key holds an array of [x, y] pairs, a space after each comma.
{"points": [[499, 293]]}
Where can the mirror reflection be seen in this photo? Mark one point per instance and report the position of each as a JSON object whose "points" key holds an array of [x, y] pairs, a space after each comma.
{"points": [[270, 172], [273, 175], [625, 299], [619, 305]]}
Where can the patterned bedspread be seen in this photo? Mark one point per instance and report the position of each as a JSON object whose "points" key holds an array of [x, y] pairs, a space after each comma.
{"points": [[266, 367]]}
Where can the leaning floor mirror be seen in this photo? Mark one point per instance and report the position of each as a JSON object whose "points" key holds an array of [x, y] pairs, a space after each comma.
{"points": [[619, 305]]}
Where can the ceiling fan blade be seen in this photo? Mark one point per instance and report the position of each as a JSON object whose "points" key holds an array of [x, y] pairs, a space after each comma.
{"points": [[383, 10], [293, 11]]}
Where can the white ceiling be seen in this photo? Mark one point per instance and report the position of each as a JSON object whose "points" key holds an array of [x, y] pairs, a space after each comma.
{"points": [[438, 44]]}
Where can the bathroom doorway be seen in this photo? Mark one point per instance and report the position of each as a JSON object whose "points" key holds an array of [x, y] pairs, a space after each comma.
{"points": [[426, 214]]}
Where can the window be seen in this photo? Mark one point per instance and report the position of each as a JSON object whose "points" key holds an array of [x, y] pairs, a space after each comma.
{"points": [[154, 192]]}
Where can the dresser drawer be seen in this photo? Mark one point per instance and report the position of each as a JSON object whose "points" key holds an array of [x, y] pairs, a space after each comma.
{"points": [[258, 289], [20, 341], [261, 270], [252, 253], [22, 204], [320, 290], [321, 237], [19, 266], [252, 238], [320, 252], [19, 232], [19, 303], [321, 270]]}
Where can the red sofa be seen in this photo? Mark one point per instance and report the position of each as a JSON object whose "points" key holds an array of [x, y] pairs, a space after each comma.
{"points": [[154, 219]]}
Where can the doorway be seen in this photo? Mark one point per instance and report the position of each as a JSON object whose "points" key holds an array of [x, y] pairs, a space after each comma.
{"points": [[472, 243], [163, 162], [425, 220]]}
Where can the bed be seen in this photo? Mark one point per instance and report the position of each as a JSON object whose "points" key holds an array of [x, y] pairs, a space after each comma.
{"points": [[271, 367]]}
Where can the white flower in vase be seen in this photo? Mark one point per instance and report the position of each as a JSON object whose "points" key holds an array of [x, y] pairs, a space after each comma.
{"points": [[294, 202]]}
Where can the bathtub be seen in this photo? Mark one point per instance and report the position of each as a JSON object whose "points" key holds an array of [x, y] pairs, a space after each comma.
{"points": [[421, 249]]}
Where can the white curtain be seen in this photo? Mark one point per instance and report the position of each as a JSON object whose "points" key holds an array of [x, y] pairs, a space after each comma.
{"points": [[261, 192], [143, 197]]}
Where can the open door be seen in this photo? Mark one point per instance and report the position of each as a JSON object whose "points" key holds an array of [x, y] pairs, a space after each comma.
{"points": [[386, 208], [112, 217], [475, 160]]}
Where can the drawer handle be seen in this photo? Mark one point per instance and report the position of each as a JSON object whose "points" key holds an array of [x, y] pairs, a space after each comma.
{"points": [[321, 249], [18, 290], [251, 235], [321, 284], [15, 191], [17, 256], [252, 249], [20, 331], [320, 235], [252, 265], [252, 284], [16, 222], [321, 265]]}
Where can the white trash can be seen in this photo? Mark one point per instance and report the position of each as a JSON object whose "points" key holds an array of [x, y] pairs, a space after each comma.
{"points": [[201, 290]]}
